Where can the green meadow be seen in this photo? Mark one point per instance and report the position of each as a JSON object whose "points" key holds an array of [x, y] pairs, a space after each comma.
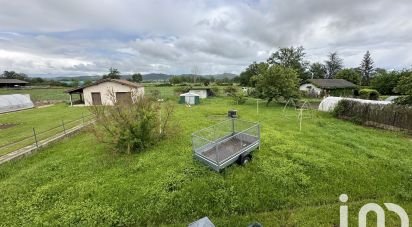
{"points": [[295, 179]]}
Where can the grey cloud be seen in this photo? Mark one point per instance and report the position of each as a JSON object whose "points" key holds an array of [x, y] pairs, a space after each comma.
{"points": [[218, 36]]}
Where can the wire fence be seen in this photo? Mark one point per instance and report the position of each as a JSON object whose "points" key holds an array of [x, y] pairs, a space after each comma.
{"points": [[38, 136]]}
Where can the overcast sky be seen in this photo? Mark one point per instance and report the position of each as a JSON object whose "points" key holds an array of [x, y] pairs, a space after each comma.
{"points": [[86, 37]]}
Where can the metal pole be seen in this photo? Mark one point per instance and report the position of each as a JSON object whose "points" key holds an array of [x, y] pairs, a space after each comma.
{"points": [[257, 106], [64, 129], [35, 137], [233, 125]]}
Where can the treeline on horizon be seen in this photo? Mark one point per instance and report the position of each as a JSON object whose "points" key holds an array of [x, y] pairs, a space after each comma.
{"points": [[365, 75]]}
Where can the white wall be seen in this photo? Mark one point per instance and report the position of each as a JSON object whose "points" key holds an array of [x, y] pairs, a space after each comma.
{"points": [[105, 88], [310, 88], [202, 93]]}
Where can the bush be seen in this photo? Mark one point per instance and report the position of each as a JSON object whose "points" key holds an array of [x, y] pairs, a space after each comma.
{"points": [[239, 98], [132, 127], [370, 94], [404, 100], [215, 91], [182, 89], [383, 116], [164, 85], [155, 94], [231, 90]]}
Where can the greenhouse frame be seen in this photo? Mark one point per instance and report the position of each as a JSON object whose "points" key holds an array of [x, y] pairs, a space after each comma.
{"points": [[15, 102]]}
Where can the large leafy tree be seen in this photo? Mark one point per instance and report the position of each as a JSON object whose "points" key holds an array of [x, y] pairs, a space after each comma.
{"points": [[318, 70], [277, 82], [293, 58], [366, 68], [333, 65], [351, 75], [405, 83], [405, 87], [137, 77], [245, 77], [385, 82], [113, 74]]}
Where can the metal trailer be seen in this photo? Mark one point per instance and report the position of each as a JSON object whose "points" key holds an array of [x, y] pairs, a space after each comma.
{"points": [[222, 144]]}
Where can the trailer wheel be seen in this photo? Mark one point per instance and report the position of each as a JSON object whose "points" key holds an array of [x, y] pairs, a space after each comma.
{"points": [[244, 160]]}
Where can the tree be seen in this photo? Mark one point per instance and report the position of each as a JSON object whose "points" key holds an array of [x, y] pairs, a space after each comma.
{"points": [[405, 83], [137, 77], [277, 82], [252, 70], [385, 82], [333, 65], [318, 70], [351, 75], [291, 58], [366, 68], [14, 75], [113, 74], [405, 87]]}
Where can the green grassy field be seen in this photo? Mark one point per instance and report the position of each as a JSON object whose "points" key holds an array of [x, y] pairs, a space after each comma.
{"points": [[40, 94], [295, 179], [42, 119]]}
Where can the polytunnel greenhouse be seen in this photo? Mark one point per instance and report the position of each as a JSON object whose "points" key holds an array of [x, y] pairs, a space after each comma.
{"points": [[9, 103]]}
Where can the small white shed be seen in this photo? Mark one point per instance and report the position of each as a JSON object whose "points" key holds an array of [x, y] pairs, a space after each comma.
{"points": [[189, 98], [101, 92], [202, 92]]}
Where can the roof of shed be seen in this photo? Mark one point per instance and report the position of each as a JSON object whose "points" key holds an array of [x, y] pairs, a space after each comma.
{"points": [[12, 81], [123, 82], [332, 83]]}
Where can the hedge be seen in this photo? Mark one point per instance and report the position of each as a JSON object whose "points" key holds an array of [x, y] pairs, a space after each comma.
{"points": [[393, 117], [370, 94]]}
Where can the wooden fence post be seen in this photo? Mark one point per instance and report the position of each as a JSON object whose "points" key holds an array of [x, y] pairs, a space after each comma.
{"points": [[35, 137]]}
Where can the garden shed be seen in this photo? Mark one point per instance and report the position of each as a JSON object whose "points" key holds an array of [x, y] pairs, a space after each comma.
{"points": [[202, 92], [102, 92], [335, 87], [189, 98], [15, 102]]}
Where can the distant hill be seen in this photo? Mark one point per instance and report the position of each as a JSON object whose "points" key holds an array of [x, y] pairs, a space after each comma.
{"points": [[146, 77]]}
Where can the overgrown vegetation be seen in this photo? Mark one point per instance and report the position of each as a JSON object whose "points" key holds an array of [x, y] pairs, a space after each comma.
{"points": [[384, 116], [295, 179], [132, 127], [370, 94]]}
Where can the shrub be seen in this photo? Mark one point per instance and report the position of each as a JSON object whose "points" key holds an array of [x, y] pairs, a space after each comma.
{"points": [[215, 91], [370, 94], [164, 85], [231, 90], [132, 127], [383, 116], [239, 98], [182, 89], [404, 100]]}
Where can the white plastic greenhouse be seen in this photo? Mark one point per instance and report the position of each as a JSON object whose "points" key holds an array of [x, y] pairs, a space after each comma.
{"points": [[329, 103], [9, 103]]}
